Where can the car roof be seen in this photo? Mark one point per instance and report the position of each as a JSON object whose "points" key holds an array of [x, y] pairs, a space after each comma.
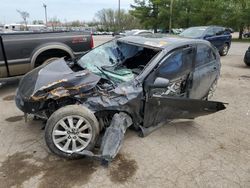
{"points": [[206, 27], [160, 43]]}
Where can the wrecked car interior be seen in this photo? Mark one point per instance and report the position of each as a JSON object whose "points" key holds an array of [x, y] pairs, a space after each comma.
{"points": [[90, 102]]}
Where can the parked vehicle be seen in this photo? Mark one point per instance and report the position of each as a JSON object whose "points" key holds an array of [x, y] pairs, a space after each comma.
{"points": [[175, 31], [128, 81], [22, 52], [246, 35], [134, 32], [220, 37], [247, 57]]}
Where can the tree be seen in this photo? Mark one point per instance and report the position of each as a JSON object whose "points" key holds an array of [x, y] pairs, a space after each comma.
{"points": [[54, 22], [38, 22], [109, 19], [239, 15], [155, 13], [24, 16], [147, 11]]}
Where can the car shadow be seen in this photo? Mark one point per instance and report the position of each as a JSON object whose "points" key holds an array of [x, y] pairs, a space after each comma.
{"points": [[241, 66], [181, 127]]}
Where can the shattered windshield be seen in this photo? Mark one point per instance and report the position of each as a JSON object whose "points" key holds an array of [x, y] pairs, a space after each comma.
{"points": [[108, 60]]}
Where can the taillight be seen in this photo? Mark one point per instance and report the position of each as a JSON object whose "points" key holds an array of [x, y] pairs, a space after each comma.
{"points": [[91, 41]]}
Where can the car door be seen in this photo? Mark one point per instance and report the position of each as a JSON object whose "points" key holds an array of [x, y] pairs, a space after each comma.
{"points": [[3, 68], [216, 36], [206, 71], [176, 67], [220, 37], [211, 36], [162, 104]]}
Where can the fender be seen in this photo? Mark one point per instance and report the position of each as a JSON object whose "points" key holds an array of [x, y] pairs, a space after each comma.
{"points": [[49, 46]]}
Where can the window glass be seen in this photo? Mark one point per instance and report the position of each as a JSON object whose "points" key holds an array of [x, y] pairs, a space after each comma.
{"points": [[177, 64], [171, 65], [193, 32], [109, 54], [219, 30], [204, 55], [210, 32]]}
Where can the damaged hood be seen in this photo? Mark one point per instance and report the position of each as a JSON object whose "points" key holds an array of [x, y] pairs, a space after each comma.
{"points": [[56, 80]]}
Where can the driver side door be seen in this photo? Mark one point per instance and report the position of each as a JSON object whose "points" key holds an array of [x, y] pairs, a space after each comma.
{"points": [[167, 101]]}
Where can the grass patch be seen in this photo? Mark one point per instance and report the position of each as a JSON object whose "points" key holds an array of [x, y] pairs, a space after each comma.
{"points": [[241, 40]]}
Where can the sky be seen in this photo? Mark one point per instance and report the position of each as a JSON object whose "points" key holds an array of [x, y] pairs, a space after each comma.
{"points": [[65, 10]]}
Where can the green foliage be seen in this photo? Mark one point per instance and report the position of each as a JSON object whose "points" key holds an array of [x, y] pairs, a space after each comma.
{"points": [[156, 13], [110, 21]]}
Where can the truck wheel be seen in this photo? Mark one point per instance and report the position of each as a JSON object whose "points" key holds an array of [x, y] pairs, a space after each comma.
{"points": [[50, 60], [224, 50], [71, 129]]}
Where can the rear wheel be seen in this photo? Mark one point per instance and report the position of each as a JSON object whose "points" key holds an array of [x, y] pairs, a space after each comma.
{"points": [[224, 50], [71, 129], [212, 90]]}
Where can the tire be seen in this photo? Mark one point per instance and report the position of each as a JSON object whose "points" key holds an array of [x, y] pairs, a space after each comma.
{"points": [[247, 64], [211, 90], [54, 131], [247, 58], [224, 50]]}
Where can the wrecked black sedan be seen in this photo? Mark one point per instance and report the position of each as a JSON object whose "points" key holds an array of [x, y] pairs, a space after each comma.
{"points": [[132, 81]]}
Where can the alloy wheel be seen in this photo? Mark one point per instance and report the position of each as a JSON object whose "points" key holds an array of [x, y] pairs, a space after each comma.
{"points": [[72, 134]]}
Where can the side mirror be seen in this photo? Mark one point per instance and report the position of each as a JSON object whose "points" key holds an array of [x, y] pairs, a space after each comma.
{"points": [[160, 82]]}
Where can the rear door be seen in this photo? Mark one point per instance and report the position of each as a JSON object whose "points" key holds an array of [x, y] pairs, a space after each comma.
{"points": [[210, 36], [216, 35], [205, 73], [220, 37], [162, 104]]}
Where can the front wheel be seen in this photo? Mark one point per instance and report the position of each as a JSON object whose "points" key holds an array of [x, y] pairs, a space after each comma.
{"points": [[71, 129], [224, 50]]}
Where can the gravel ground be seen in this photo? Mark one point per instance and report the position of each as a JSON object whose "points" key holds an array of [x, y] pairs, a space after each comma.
{"points": [[212, 151]]}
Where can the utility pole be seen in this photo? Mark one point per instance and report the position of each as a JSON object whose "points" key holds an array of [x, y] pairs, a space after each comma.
{"points": [[45, 9], [170, 17], [119, 15]]}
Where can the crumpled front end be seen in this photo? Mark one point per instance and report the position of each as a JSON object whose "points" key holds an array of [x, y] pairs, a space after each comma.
{"points": [[52, 82]]}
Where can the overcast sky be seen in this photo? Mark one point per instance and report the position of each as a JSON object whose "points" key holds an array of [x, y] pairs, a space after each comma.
{"points": [[65, 10]]}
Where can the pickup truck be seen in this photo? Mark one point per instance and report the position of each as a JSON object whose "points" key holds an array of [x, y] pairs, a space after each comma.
{"points": [[22, 52]]}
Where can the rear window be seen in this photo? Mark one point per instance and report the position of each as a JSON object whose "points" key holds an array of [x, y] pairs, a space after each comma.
{"points": [[204, 55]]}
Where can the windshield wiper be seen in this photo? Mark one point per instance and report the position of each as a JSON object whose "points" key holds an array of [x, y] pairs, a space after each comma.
{"points": [[107, 76]]}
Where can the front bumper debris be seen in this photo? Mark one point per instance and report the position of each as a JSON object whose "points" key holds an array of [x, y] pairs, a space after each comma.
{"points": [[112, 139]]}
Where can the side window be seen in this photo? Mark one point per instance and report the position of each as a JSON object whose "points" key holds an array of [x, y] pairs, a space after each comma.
{"points": [[219, 30], [178, 63], [210, 32], [204, 55]]}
